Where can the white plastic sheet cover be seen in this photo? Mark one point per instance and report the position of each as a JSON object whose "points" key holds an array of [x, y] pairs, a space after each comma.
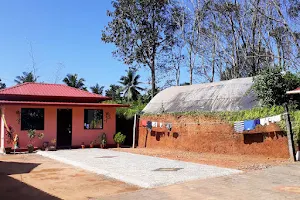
{"points": [[231, 95]]}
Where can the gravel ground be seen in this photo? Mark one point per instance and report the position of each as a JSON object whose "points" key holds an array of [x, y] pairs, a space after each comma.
{"points": [[136, 169]]}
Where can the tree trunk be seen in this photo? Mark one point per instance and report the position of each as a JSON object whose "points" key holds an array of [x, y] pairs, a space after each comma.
{"points": [[153, 86], [213, 61], [191, 76], [178, 76], [191, 66]]}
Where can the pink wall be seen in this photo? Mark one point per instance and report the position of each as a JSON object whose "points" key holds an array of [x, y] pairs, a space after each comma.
{"points": [[79, 134]]}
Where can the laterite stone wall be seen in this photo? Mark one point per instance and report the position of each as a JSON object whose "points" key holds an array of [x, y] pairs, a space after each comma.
{"points": [[208, 134]]}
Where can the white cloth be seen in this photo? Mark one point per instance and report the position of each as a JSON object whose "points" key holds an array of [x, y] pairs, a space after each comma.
{"points": [[267, 120], [161, 124], [264, 121], [298, 156], [154, 124], [276, 118]]}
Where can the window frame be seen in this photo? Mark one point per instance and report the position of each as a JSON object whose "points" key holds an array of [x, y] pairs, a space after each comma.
{"points": [[21, 121], [84, 120]]}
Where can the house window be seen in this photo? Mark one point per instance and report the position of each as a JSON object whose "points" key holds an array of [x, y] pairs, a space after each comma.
{"points": [[93, 119], [32, 118]]}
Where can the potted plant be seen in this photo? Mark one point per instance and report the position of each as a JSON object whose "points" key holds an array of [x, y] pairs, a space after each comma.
{"points": [[119, 138], [31, 135], [52, 146], [45, 145], [82, 145], [92, 144], [103, 141], [9, 132]]}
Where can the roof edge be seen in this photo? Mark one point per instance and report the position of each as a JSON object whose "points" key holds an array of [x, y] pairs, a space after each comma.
{"points": [[39, 103]]}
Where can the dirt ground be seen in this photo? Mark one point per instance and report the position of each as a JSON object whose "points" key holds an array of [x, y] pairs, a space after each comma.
{"points": [[241, 162], [26, 176]]}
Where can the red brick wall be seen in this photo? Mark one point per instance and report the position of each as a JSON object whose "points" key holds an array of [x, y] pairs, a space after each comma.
{"points": [[207, 134]]}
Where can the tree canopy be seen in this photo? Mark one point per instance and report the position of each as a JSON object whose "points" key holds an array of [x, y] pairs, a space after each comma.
{"points": [[130, 85], [114, 92], [72, 80], [213, 40], [26, 77], [272, 84], [141, 30], [97, 89], [2, 85]]}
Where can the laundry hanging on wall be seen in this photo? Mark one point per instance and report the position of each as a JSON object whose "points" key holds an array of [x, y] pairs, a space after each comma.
{"points": [[144, 123], [267, 120], [239, 126], [149, 125], [154, 124], [169, 126], [249, 125], [161, 125]]}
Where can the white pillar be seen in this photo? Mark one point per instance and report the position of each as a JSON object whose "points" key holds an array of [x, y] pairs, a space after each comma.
{"points": [[2, 149], [134, 130]]}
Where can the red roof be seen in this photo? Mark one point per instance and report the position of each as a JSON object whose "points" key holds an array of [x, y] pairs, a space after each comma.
{"points": [[39, 103], [52, 92], [296, 91]]}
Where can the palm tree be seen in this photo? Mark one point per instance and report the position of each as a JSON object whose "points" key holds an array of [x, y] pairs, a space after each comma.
{"points": [[73, 81], [97, 89], [2, 85], [130, 86], [26, 77], [114, 92]]}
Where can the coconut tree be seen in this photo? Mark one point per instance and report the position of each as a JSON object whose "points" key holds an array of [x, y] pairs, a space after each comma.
{"points": [[72, 80], [114, 92], [130, 85], [26, 77], [2, 85], [97, 89]]}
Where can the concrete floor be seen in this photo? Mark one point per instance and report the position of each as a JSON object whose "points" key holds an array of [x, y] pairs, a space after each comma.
{"points": [[281, 182], [143, 171]]}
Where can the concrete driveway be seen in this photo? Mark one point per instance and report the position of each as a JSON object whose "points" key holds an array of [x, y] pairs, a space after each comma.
{"points": [[143, 171], [276, 183]]}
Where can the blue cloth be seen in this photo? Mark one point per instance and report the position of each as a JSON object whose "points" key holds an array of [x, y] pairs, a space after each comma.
{"points": [[250, 124], [149, 125]]}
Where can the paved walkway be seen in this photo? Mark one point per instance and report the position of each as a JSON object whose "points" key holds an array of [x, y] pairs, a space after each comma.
{"points": [[140, 170], [281, 182]]}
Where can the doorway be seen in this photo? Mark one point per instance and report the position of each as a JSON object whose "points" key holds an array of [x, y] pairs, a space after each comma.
{"points": [[64, 128]]}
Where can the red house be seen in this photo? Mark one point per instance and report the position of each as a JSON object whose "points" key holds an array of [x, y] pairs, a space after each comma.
{"points": [[69, 115]]}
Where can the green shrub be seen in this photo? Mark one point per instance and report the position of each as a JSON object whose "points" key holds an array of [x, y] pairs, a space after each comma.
{"points": [[103, 139], [119, 138], [127, 113], [271, 85]]}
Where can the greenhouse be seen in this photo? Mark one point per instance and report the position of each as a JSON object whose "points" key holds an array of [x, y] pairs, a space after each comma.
{"points": [[231, 95]]}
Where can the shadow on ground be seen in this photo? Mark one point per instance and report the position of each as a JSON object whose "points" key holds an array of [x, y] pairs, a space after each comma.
{"points": [[11, 188]]}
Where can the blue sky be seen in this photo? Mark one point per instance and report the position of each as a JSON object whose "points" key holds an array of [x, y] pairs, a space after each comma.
{"points": [[61, 31]]}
